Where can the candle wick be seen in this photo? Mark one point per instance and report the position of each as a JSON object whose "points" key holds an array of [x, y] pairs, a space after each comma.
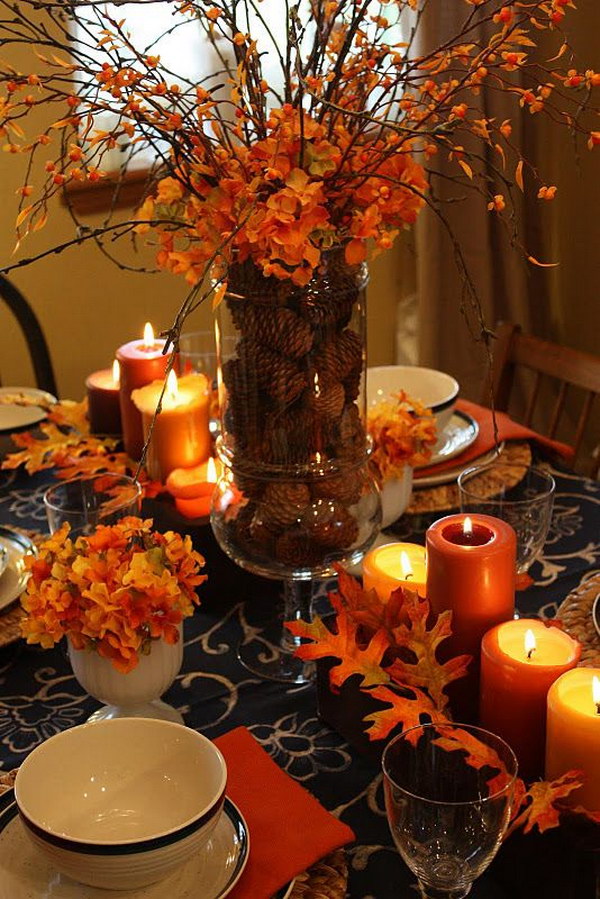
{"points": [[530, 652], [408, 576], [598, 708]]}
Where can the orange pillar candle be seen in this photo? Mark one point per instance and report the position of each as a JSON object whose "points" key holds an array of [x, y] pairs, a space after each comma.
{"points": [[520, 660], [180, 436], [104, 411], [394, 565], [573, 732], [141, 362], [471, 566]]}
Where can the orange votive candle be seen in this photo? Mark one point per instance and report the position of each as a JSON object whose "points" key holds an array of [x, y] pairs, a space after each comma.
{"points": [[180, 436], [573, 733], [520, 660], [394, 565]]}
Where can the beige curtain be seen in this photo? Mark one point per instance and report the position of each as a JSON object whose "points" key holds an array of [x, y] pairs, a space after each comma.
{"points": [[560, 304]]}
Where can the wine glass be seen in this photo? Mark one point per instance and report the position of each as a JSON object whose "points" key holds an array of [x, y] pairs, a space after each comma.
{"points": [[520, 494], [448, 796], [90, 501]]}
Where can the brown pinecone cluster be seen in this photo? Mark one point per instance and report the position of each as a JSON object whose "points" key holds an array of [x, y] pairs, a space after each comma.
{"points": [[292, 387]]}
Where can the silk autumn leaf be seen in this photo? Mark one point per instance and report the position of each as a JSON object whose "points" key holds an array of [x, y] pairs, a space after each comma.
{"points": [[538, 807], [423, 642], [55, 446], [366, 607], [343, 645], [477, 754], [404, 710]]}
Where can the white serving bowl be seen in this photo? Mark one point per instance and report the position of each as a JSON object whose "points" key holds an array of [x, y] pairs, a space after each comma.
{"points": [[120, 803], [434, 389], [395, 496]]}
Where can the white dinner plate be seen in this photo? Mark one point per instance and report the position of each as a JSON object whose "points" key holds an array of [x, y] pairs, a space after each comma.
{"points": [[460, 432], [451, 474], [25, 873], [14, 576], [14, 416]]}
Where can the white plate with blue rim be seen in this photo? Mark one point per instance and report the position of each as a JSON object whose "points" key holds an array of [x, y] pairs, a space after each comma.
{"points": [[26, 874], [14, 549]]}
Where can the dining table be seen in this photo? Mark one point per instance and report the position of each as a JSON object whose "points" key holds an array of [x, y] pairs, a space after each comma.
{"points": [[40, 696]]}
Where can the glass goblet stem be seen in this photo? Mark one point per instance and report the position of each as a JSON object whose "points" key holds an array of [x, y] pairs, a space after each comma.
{"points": [[297, 601], [428, 892]]}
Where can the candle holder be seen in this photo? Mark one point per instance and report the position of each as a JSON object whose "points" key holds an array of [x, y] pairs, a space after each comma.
{"points": [[518, 494]]}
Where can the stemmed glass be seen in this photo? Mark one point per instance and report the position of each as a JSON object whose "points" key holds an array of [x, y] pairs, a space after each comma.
{"points": [[448, 796], [89, 501], [520, 494]]}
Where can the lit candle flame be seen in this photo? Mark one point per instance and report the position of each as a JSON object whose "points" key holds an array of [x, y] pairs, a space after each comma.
{"points": [[467, 526], [116, 372], [172, 390], [148, 336], [406, 566], [211, 471], [596, 692], [530, 644]]}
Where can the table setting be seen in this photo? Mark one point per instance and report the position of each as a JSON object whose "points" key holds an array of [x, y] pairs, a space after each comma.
{"points": [[275, 623], [210, 689]]}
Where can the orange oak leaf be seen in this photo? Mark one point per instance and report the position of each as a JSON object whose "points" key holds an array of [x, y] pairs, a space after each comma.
{"points": [[427, 672], [354, 657], [365, 606], [69, 414], [538, 806], [402, 710], [39, 453], [478, 755]]}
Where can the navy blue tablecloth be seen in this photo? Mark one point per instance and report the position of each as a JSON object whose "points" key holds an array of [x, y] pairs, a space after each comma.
{"points": [[39, 696]]}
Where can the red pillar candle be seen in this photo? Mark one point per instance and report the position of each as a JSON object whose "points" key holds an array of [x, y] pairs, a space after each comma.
{"points": [[104, 411], [520, 660], [141, 361], [471, 566], [180, 437]]}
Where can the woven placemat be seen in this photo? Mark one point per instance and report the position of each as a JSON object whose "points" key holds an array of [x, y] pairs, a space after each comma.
{"points": [[445, 496], [327, 879], [10, 617], [575, 612]]}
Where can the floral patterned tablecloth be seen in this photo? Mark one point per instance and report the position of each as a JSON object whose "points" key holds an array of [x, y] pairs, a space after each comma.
{"points": [[39, 696]]}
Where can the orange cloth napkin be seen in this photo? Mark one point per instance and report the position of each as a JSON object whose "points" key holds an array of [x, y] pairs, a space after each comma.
{"points": [[507, 430], [289, 830]]}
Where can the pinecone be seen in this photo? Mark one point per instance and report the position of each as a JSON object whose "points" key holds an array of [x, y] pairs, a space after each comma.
{"points": [[351, 443], [262, 537], [278, 328], [330, 524], [283, 503], [352, 384], [338, 356], [329, 401], [243, 416], [279, 377], [296, 549], [252, 488], [324, 311], [345, 488]]}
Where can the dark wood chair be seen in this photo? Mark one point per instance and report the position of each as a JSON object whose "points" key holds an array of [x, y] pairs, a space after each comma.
{"points": [[568, 367], [33, 334]]}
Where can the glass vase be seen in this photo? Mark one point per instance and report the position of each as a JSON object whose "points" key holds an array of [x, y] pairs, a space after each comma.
{"points": [[296, 496]]}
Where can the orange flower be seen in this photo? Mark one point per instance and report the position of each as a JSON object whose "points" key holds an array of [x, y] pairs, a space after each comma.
{"points": [[114, 591]]}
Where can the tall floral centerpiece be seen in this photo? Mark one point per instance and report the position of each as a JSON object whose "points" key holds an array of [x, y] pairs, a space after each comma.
{"points": [[269, 191], [119, 596]]}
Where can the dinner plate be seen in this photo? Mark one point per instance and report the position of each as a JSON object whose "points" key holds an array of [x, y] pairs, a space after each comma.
{"points": [[460, 432], [451, 474], [14, 576], [14, 416], [25, 873]]}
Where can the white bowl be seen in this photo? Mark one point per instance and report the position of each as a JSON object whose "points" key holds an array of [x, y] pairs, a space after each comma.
{"points": [[120, 803], [395, 496], [434, 389]]}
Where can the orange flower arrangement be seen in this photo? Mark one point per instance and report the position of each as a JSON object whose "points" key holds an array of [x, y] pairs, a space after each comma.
{"points": [[403, 432], [113, 592], [337, 149]]}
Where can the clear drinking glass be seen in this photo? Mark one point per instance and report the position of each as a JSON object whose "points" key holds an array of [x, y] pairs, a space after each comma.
{"points": [[448, 794], [87, 502], [520, 494]]}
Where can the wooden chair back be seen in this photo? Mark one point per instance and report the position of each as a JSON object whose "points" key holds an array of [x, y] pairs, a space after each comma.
{"points": [[571, 368], [33, 334]]}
